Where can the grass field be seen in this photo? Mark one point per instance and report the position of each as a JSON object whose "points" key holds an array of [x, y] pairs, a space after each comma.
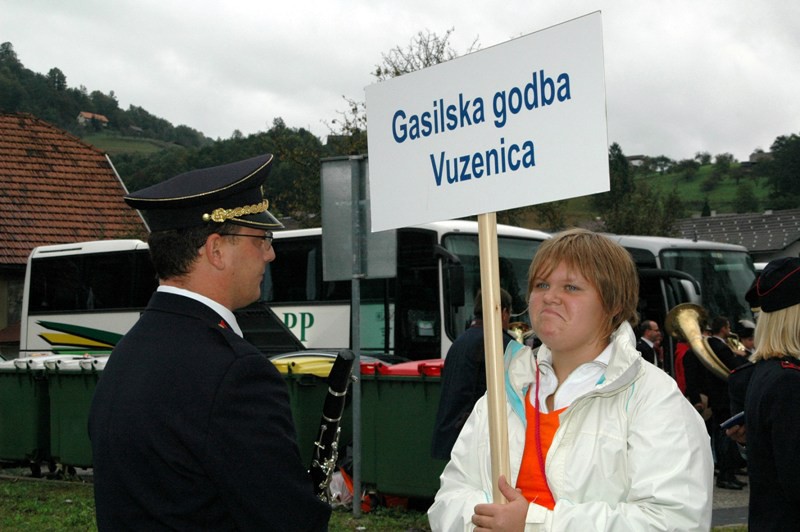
{"points": [[114, 145], [47, 505]]}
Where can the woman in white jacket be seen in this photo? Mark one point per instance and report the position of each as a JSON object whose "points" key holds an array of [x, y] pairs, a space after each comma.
{"points": [[598, 440]]}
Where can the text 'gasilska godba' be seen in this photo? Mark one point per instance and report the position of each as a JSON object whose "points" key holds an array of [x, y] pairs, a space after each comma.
{"points": [[447, 115]]}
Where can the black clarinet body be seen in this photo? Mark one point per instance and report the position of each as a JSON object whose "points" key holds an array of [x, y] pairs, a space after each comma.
{"points": [[326, 450]]}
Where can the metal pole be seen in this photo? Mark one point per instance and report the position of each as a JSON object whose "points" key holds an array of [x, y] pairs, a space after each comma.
{"points": [[355, 325]]}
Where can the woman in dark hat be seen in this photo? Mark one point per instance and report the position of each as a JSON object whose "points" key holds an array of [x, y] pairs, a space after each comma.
{"points": [[772, 404]]}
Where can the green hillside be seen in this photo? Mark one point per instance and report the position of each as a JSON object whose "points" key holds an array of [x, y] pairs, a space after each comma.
{"points": [[115, 144], [721, 198]]}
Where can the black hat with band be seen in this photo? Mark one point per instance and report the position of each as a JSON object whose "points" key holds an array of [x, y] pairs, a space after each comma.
{"points": [[228, 193]]}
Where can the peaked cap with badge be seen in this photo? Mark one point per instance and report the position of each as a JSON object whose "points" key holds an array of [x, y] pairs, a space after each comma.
{"points": [[778, 286], [227, 193]]}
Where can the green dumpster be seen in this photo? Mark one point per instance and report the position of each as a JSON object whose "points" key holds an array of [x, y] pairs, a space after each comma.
{"points": [[25, 411], [71, 384], [306, 378], [398, 411]]}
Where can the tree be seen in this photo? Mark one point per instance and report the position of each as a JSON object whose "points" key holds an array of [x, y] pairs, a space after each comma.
{"points": [[722, 165], [662, 164], [687, 167], [425, 49], [349, 131], [621, 184], [746, 200], [57, 80], [551, 215], [8, 57], [703, 157], [782, 172], [633, 207], [706, 212]]}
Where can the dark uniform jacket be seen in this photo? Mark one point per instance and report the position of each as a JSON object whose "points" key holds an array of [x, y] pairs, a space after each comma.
{"points": [[772, 418], [463, 383], [191, 430], [648, 353], [716, 388]]}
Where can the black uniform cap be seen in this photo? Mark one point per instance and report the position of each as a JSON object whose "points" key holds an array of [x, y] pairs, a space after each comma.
{"points": [[777, 287], [227, 193]]}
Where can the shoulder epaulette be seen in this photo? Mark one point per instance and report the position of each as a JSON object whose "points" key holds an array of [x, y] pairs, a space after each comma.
{"points": [[785, 364], [743, 367]]}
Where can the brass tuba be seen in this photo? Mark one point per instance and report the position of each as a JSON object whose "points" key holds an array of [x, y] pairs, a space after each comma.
{"points": [[736, 344], [683, 322], [520, 331]]}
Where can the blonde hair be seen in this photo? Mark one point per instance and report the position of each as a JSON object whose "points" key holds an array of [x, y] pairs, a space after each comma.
{"points": [[778, 334], [604, 263]]}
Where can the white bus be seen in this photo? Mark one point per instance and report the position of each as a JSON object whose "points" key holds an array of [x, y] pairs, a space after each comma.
{"points": [[675, 270], [428, 304], [416, 314], [81, 298]]}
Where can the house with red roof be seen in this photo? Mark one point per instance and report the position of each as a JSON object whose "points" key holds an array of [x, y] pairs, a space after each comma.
{"points": [[85, 117], [54, 189]]}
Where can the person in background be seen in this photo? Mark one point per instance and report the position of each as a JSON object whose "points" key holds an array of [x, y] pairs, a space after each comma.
{"points": [[725, 451], [745, 330], [772, 413], [190, 424], [464, 377], [649, 334], [598, 439]]}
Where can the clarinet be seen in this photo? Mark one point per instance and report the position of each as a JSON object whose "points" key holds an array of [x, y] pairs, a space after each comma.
{"points": [[326, 445]]}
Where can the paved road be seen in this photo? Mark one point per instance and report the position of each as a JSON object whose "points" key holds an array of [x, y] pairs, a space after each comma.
{"points": [[730, 506]]}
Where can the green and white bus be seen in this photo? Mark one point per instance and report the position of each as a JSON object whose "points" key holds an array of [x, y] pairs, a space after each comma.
{"points": [[81, 298]]}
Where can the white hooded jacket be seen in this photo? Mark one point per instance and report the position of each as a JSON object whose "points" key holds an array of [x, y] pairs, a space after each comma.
{"points": [[632, 454]]}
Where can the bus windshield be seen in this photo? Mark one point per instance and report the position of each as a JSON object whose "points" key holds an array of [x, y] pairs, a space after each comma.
{"points": [[724, 277], [515, 259]]}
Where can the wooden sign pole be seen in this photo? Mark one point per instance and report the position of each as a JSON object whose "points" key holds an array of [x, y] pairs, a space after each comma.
{"points": [[493, 345]]}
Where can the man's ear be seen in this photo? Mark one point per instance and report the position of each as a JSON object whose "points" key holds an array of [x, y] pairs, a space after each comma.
{"points": [[213, 252]]}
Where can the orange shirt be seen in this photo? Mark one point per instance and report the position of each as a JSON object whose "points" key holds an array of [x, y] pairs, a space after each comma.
{"points": [[531, 479]]}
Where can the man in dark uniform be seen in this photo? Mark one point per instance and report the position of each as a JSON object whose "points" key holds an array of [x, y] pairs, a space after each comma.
{"points": [[190, 424], [649, 334], [726, 453], [464, 378]]}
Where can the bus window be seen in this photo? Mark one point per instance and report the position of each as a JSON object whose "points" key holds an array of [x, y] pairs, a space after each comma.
{"points": [[296, 275], [724, 277], [515, 260], [100, 281], [418, 328]]}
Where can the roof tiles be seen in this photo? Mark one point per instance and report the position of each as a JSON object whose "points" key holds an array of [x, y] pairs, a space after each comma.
{"points": [[55, 189], [771, 231]]}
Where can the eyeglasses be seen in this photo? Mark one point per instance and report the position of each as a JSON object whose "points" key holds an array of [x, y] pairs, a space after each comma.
{"points": [[266, 237]]}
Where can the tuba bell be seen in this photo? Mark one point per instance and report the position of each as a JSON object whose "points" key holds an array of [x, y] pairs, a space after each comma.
{"points": [[683, 322], [736, 344], [520, 331]]}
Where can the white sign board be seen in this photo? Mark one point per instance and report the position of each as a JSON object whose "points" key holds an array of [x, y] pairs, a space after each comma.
{"points": [[518, 124]]}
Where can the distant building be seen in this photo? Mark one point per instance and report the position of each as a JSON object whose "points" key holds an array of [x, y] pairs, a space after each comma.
{"points": [[760, 156], [54, 189], [637, 160], [85, 117], [767, 235]]}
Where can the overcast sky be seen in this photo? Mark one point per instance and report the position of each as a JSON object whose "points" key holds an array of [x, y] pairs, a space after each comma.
{"points": [[682, 76]]}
